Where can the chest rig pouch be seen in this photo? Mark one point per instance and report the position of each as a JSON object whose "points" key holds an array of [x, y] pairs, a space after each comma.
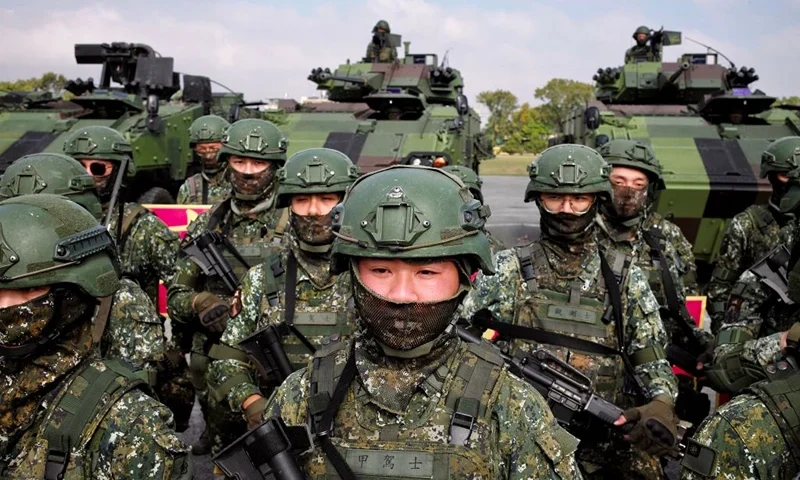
{"points": [[781, 396], [80, 408], [395, 451], [583, 327]]}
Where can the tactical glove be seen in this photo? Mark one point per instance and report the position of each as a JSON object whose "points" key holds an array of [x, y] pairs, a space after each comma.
{"points": [[254, 413], [213, 312], [655, 428]]}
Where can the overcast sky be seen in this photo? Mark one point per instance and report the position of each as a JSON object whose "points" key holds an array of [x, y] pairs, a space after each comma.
{"points": [[267, 48]]}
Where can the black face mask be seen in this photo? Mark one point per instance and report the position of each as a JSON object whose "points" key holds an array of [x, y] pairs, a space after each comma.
{"points": [[567, 227], [779, 188]]}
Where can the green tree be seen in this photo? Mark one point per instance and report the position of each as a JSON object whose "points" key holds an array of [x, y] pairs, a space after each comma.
{"points": [[560, 97], [528, 131], [48, 82], [793, 100], [501, 104]]}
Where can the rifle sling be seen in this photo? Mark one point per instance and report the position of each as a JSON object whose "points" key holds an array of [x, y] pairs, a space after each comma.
{"points": [[675, 307], [291, 301], [326, 424], [204, 183]]}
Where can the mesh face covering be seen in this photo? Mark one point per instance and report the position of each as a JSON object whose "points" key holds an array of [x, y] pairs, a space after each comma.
{"points": [[567, 226], [402, 326], [253, 186], [313, 229], [629, 202]]}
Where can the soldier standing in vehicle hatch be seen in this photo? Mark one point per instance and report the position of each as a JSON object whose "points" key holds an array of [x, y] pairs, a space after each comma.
{"points": [[380, 49]]}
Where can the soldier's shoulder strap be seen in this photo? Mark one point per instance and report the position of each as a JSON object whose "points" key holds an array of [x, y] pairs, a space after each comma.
{"points": [[480, 369], [218, 214], [761, 216], [782, 399], [532, 264], [273, 268], [191, 186], [325, 372], [81, 406], [128, 220], [283, 223]]}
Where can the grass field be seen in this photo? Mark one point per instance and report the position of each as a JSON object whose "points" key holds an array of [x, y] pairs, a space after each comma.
{"points": [[515, 165]]}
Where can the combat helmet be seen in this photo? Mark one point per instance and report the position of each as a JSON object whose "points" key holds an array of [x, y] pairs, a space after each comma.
{"points": [[634, 154], [382, 24], [641, 29], [781, 156], [315, 170], [46, 240], [469, 177], [253, 138], [208, 128], [98, 142], [410, 212], [53, 173], [569, 168]]}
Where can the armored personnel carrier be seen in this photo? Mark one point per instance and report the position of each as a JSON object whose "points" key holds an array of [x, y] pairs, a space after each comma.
{"points": [[707, 126], [139, 94], [410, 111]]}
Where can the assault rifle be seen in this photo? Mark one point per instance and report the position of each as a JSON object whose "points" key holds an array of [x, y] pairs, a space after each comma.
{"points": [[265, 349], [267, 452], [204, 251], [773, 271]]}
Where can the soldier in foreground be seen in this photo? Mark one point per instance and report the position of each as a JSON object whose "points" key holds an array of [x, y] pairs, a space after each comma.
{"points": [[563, 288], [242, 228], [659, 249], [63, 413], [641, 51], [474, 183], [400, 386], [753, 233], [211, 185], [316, 307], [379, 49]]}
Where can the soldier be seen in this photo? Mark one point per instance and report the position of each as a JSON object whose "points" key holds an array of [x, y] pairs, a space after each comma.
{"points": [[63, 413], [147, 247], [244, 226], [211, 185], [380, 49], [562, 287], [641, 52], [311, 183], [659, 249], [754, 232], [408, 382], [474, 183], [757, 434], [135, 331]]}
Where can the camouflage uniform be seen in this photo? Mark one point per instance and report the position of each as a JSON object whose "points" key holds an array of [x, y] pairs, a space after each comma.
{"points": [[755, 232], [249, 224], [403, 390], [573, 267], [322, 301], [640, 52], [135, 331], [125, 434], [211, 185], [378, 53], [748, 441]]}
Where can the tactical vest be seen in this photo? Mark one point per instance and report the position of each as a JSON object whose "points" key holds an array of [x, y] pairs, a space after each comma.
{"points": [[249, 251], [462, 406], [63, 450], [782, 399], [198, 189], [584, 312], [321, 327]]}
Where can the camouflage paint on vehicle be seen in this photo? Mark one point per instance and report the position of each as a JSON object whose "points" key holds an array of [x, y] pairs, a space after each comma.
{"points": [[434, 118], [154, 118], [705, 124]]}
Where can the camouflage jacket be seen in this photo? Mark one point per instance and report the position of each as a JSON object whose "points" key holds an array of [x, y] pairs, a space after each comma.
{"points": [[640, 53], [677, 252], [755, 310], [577, 273], [750, 235], [323, 313], [134, 439], [747, 441], [516, 437], [253, 237], [148, 250], [191, 192], [135, 331], [386, 54]]}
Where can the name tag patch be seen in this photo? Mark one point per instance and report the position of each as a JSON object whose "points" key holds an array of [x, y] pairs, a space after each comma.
{"points": [[390, 464]]}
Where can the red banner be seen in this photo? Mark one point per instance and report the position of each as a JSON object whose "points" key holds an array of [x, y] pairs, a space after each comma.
{"points": [[177, 218]]}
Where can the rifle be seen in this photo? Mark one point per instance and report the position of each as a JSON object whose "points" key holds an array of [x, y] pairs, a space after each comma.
{"points": [[204, 251], [773, 271], [266, 351], [267, 452]]}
